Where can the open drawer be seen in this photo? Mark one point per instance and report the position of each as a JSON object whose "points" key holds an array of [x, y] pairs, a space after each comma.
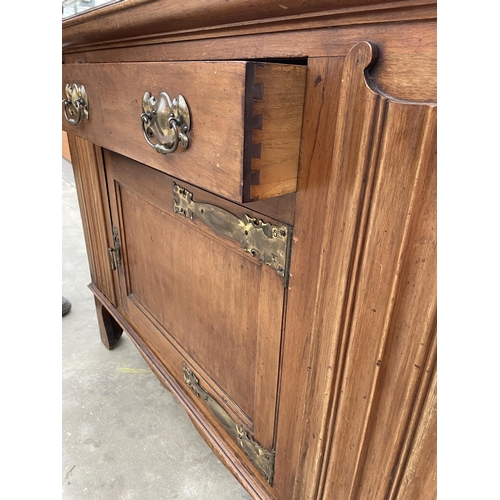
{"points": [[238, 134]]}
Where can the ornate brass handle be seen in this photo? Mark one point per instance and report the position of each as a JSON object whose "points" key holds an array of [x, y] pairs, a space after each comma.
{"points": [[264, 241], [166, 121], [76, 104]]}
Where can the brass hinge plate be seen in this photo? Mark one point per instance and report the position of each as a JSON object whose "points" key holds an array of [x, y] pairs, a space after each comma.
{"points": [[262, 459], [114, 252], [266, 242]]}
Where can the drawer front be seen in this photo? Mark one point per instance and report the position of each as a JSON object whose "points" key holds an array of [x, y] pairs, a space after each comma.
{"points": [[245, 121]]}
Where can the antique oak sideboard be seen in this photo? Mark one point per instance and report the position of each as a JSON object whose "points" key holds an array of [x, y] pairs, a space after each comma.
{"points": [[257, 184]]}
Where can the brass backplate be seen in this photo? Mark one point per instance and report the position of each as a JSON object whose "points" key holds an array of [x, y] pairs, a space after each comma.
{"points": [[266, 242], [262, 459], [76, 104]]}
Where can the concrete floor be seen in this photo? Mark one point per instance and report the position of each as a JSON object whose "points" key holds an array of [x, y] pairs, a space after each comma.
{"points": [[125, 437]]}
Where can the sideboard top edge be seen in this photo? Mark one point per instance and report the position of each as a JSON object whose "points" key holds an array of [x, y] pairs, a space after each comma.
{"points": [[112, 22]]}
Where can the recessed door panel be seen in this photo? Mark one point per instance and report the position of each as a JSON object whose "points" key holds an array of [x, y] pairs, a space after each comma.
{"points": [[197, 298]]}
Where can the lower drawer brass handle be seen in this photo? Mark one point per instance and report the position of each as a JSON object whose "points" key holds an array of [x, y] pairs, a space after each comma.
{"points": [[76, 104], [165, 121]]}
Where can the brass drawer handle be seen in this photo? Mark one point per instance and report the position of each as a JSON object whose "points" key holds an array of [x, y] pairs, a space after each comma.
{"points": [[76, 104], [166, 121]]}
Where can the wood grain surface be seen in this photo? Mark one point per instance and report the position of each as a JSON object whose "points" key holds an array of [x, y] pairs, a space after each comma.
{"points": [[176, 273], [221, 155], [94, 208], [368, 243], [337, 372]]}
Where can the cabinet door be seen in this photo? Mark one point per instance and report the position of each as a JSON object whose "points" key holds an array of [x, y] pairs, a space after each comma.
{"points": [[210, 311]]}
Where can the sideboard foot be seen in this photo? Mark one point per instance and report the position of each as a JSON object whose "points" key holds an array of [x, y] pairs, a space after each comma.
{"points": [[109, 329]]}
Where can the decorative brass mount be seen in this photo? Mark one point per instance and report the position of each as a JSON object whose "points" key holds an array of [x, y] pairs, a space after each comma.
{"points": [[166, 121], [266, 242], [262, 459], [76, 104], [114, 252]]}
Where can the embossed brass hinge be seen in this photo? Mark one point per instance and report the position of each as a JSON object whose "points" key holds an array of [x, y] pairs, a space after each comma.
{"points": [[114, 252], [262, 459], [266, 242]]}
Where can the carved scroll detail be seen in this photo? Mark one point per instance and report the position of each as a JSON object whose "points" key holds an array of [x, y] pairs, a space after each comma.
{"points": [[385, 157]]}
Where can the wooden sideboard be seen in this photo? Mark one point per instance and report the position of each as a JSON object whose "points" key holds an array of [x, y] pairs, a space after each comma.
{"points": [[257, 184]]}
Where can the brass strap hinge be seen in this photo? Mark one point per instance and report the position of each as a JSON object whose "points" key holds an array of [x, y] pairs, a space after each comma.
{"points": [[262, 459], [114, 252], [266, 242]]}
